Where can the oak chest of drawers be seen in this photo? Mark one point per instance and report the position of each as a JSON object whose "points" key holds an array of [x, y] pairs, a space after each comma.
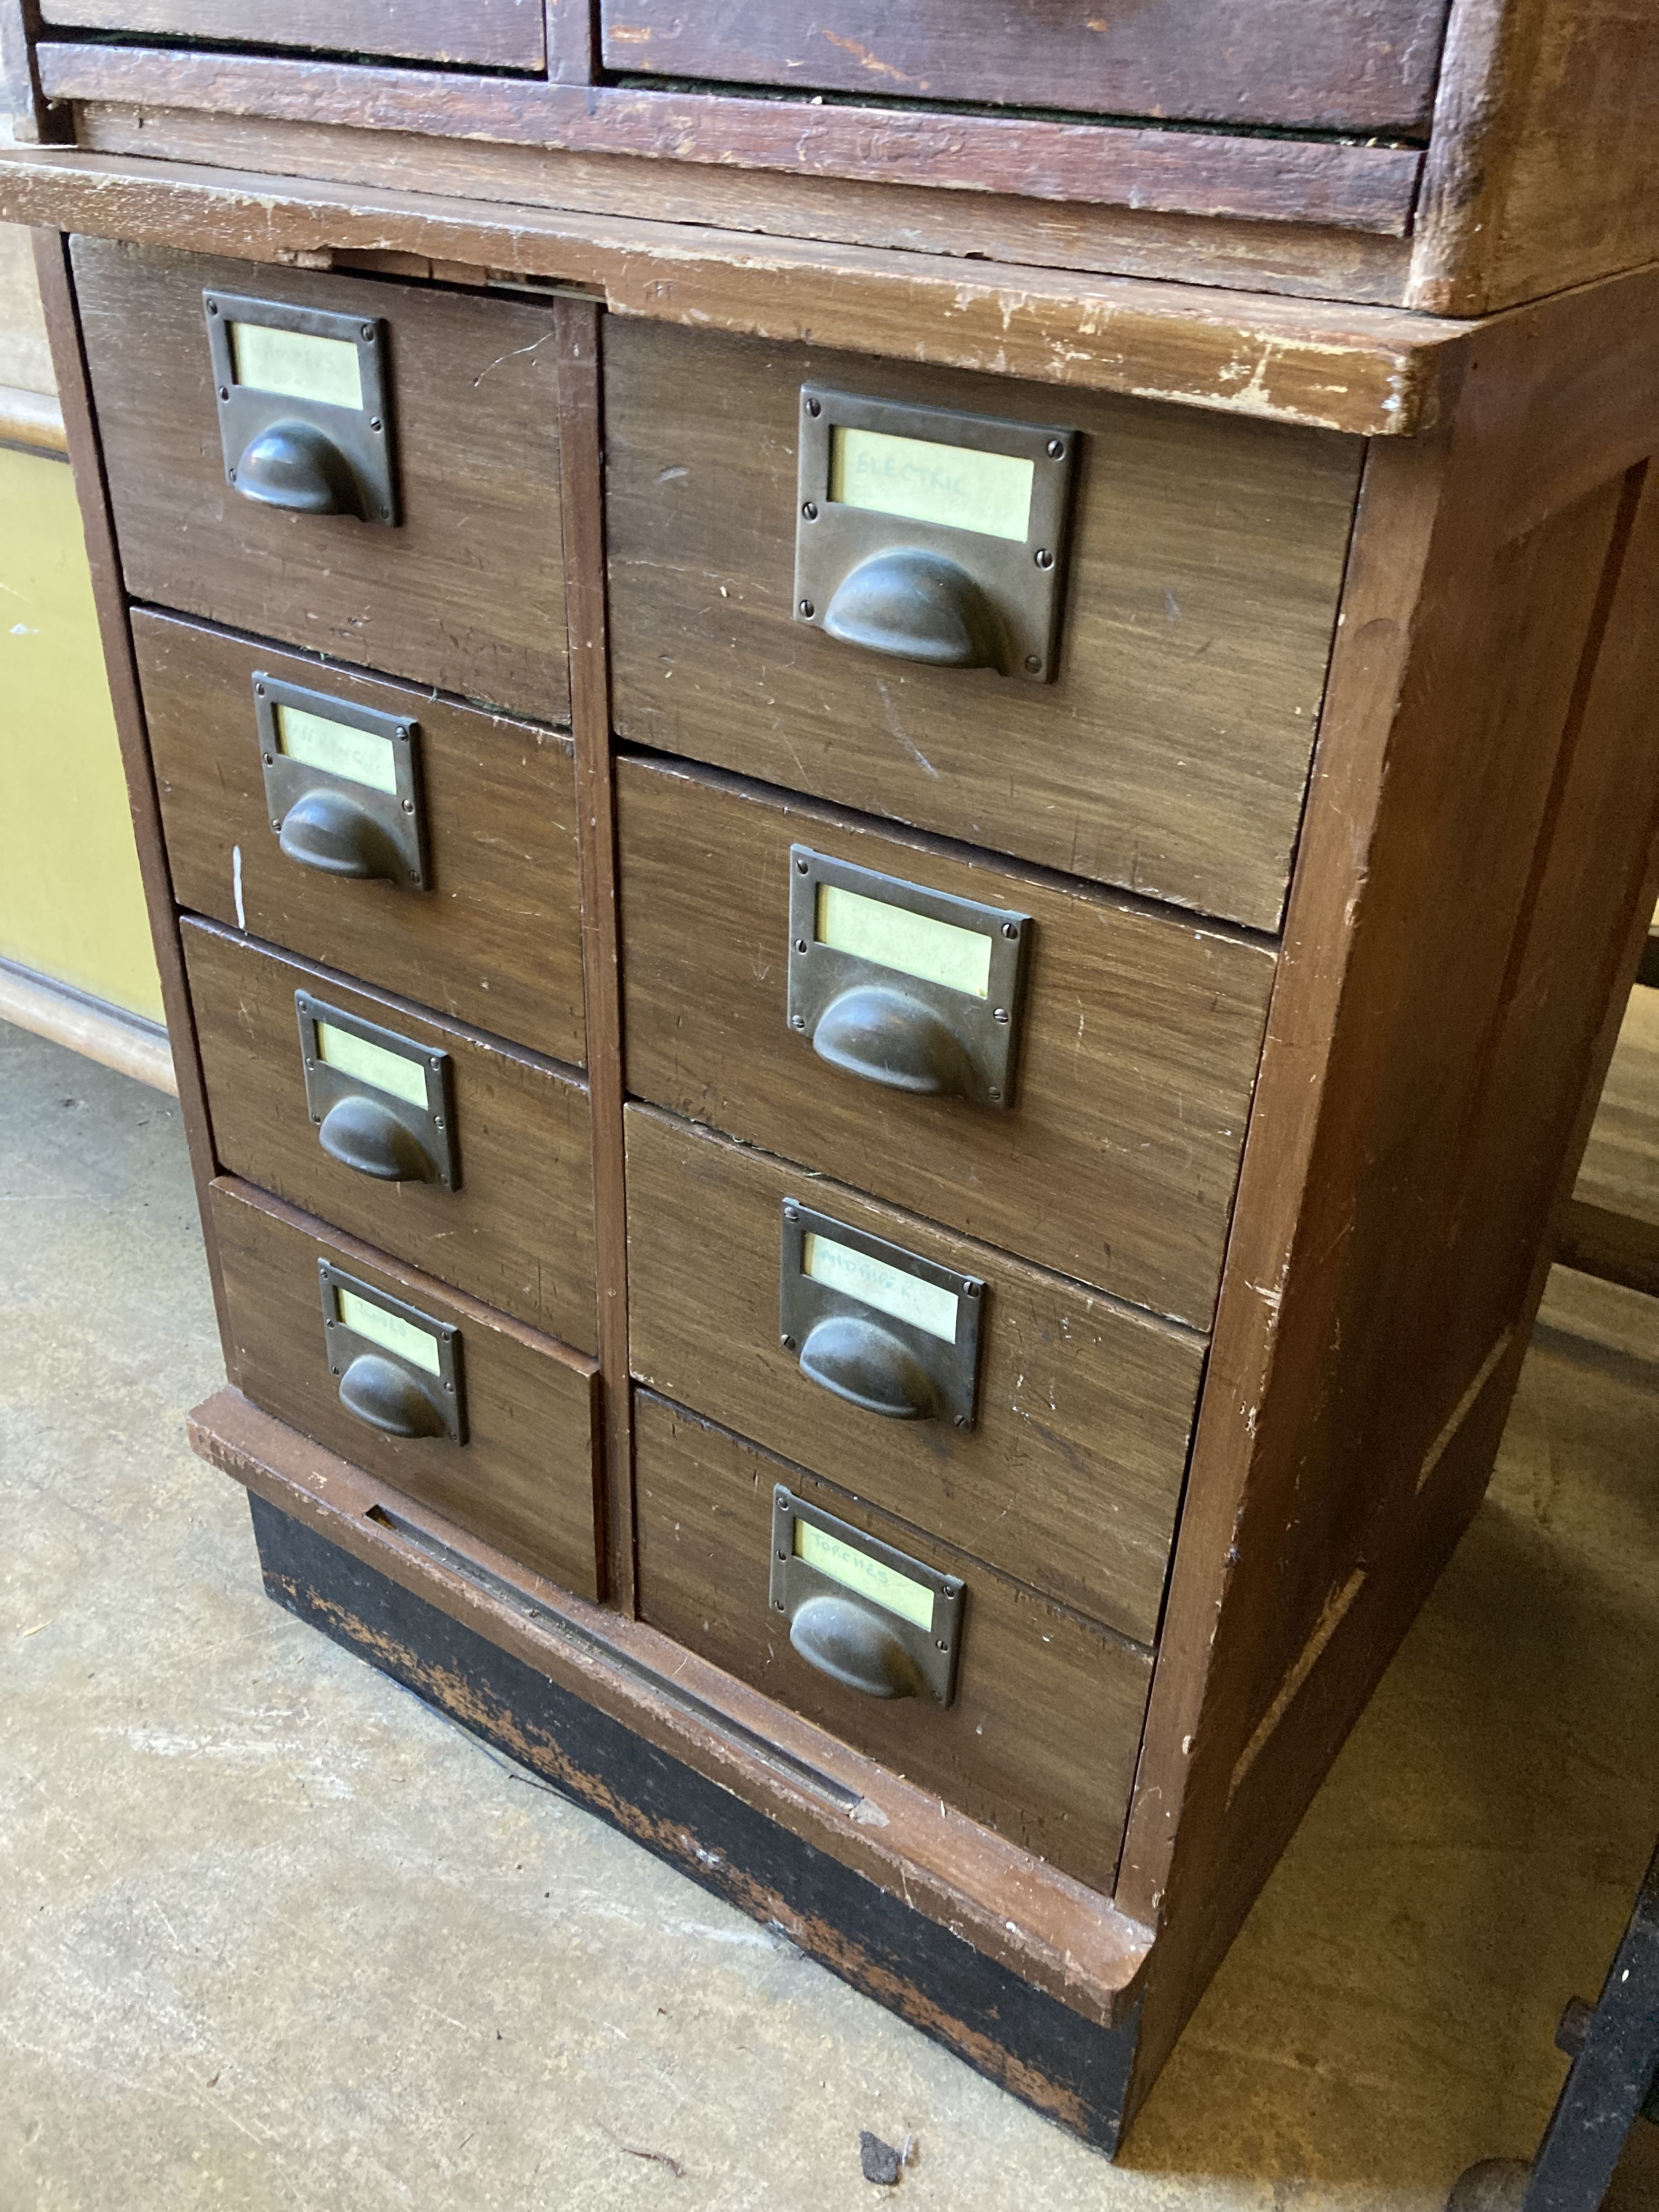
{"points": [[888, 825]]}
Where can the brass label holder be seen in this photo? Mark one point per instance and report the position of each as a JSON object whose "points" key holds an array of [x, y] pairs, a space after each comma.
{"points": [[874, 1619], [887, 1331], [289, 449], [398, 1369], [329, 820], [900, 578], [932, 1008], [404, 1133]]}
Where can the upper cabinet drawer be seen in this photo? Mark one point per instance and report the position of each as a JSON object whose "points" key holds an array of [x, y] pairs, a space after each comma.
{"points": [[396, 455], [1138, 603], [491, 34], [1369, 67], [487, 927]]}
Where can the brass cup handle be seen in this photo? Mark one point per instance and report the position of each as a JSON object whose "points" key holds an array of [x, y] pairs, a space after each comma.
{"points": [[337, 836], [297, 467], [884, 1035], [915, 605], [368, 1138], [854, 1647], [387, 1397], [869, 1367]]}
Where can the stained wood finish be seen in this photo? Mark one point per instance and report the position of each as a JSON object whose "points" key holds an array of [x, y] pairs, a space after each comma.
{"points": [[1296, 63], [1041, 1741], [1141, 241], [1470, 891], [1206, 560], [1374, 372], [517, 1232], [465, 593], [495, 939], [1617, 1247], [1053, 1934], [1540, 172], [1368, 188], [1139, 1042], [1070, 1479], [525, 1479], [583, 511], [503, 34]]}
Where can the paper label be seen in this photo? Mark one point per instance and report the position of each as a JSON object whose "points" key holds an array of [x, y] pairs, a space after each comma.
{"points": [[922, 482], [394, 1072], [889, 1289], [389, 1330], [314, 740], [857, 1571], [915, 944], [296, 364]]}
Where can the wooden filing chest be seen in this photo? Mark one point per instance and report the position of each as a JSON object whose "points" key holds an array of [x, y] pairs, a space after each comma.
{"points": [[888, 814]]}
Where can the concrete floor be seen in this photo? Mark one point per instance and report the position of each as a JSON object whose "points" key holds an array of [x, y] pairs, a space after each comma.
{"points": [[272, 1935]]}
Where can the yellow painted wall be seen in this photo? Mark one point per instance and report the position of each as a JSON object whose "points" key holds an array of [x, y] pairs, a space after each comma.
{"points": [[70, 905]]}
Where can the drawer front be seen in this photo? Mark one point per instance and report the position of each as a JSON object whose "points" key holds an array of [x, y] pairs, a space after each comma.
{"points": [[464, 591], [516, 1226], [1040, 1738], [502, 34], [1135, 1037], [492, 935], [524, 1474], [1289, 62], [1197, 604], [1069, 1477]]}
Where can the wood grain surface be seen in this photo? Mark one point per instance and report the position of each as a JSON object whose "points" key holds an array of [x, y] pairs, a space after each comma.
{"points": [[1541, 172], [465, 593], [1366, 187], [1374, 372], [1367, 66], [1042, 1739], [1138, 1041], [1139, 241], [1071, 1478], [1171, 754], [1054, 1933], [484, 34], [1474, 883], [525, 1480], [495, 939], [518, 1232]]}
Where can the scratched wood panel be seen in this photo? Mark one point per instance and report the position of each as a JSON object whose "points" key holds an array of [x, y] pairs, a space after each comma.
{"points": [[1366, 65], [1139, 1036], [495, 939], [517, 1230], [1071, 1477], [524, 1480], [1041, 1740], [507, 35], [1171, 754], [466, 592]]}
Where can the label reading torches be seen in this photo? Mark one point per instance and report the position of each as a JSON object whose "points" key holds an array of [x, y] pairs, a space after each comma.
{"points": [[296, 365], [389, 1330], [316, 742], [889, 1289], [391, 1072], [915, 944], [922, 482], [854, 1571]]}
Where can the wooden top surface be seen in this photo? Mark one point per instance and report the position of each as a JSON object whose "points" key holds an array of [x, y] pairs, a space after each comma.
{"points": [[1370, 371]]}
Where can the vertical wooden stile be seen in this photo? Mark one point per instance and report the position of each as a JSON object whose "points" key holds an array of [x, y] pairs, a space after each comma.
{"points": [[582, 467]]}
